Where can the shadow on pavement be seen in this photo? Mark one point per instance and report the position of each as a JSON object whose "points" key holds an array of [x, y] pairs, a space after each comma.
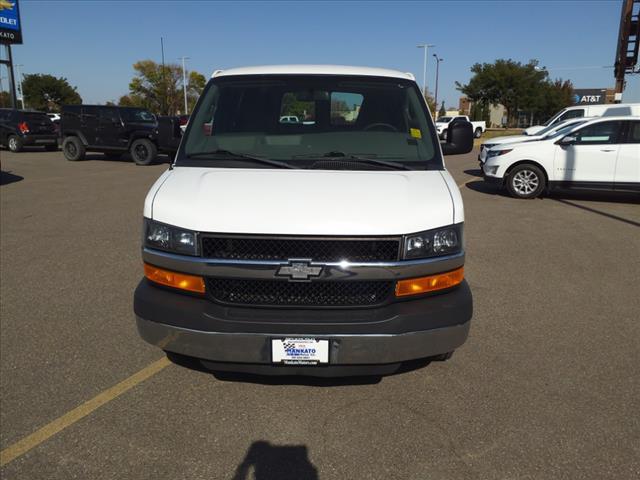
{"points": [[560, 195], [7, 177], [483, 187], [267, 461], [598, 212], [592, 196], [29, 149], [476, 172]]}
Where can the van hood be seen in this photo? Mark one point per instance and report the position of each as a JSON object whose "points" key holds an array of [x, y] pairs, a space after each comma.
{"points": [[301, 202]]}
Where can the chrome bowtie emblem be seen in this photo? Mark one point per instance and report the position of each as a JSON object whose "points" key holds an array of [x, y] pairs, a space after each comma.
{"points": [[299, 270]]}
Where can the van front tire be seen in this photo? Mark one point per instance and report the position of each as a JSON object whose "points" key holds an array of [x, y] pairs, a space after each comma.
{"points": [[526, 181], [143, 151], [73, 149]]}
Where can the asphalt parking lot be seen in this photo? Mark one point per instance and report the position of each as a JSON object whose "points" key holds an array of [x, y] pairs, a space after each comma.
{"points": [[547, 386]]}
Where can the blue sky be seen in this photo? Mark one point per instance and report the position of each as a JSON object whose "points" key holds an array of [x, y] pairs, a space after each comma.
{"points": [[94, 43]]}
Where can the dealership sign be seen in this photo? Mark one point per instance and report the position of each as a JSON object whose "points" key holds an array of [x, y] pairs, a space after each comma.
{"points": [[588, 96], [10, 28]]}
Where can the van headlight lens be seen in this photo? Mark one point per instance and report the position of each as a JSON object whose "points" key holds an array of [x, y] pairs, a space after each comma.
{"points": [[433, 243], [171, 239]]}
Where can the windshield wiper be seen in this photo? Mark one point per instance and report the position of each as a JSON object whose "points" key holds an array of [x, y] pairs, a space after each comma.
{"points": [[359, 159], [241, 156]]}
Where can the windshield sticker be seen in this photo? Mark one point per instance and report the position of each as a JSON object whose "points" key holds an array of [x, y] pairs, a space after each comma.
{"points": [[416, 133]]}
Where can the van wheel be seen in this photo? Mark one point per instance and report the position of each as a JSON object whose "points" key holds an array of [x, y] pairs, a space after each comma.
{"points": [[15, 143], [477, 133], [526, 181], [73, 149], [143, 151]]}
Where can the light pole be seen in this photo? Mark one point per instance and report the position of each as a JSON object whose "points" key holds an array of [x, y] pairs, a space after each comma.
{"points": [[438, 60], [424, 67], [184, 85], [18, 65]]}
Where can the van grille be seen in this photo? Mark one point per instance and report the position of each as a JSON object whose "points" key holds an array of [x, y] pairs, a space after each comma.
{"points": [[301, 294], [316, 249]]}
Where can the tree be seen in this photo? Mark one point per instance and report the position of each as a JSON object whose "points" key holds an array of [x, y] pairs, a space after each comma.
{"points": [[5, 100], [555, 96], [160, 89], [48, 93], [131, 101], [431, 102], [195, 86], [443, 111], [512, 84]]}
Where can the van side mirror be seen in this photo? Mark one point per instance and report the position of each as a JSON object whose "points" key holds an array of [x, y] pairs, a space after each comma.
{"points": [[459, 138], [568, 140]]}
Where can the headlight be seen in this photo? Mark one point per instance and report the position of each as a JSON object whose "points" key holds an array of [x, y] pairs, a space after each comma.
{"points": [[485, 146], [171, 239], [433, 243], [497, 153]]}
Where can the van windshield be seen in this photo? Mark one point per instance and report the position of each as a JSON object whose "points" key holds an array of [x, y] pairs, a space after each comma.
{"points": [[311, 121]]}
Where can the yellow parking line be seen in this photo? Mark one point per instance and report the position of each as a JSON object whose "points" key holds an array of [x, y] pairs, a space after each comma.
{"points": [[36, 438]]}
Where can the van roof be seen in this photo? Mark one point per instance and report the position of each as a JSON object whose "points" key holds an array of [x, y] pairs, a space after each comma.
{"points": [[603, 105], [313, 70]]}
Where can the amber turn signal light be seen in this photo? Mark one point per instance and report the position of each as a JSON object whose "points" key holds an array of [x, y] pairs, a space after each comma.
{"points": [[432, 283], [177, 280]]}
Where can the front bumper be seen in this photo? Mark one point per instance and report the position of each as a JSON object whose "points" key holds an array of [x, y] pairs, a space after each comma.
{"points": [[239, 339], [499, 181]]}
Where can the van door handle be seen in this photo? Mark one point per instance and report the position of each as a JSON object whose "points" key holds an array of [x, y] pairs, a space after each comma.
{"points": [[608, 150]]}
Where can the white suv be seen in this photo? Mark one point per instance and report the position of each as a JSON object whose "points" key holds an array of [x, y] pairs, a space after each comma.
{"points": [[600, 154], [332, 246]]}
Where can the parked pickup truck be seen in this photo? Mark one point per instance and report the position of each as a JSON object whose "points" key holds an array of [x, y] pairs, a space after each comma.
{"points": [[333, 247], [442, 125]]}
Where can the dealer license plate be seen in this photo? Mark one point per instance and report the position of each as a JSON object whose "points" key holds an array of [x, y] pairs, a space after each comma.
{"points": [[300, 351]]}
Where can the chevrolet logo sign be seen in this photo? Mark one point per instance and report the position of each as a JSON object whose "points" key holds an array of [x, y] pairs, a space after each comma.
{"points": [[299, 270]]}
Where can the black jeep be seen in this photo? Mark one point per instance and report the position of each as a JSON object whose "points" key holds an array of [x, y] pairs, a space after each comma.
{"points": [[19, 128], [117, 130]]}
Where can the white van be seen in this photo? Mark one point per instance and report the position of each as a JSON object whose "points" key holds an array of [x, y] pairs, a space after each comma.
{"points": [[606, 110], [331, 247]]}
